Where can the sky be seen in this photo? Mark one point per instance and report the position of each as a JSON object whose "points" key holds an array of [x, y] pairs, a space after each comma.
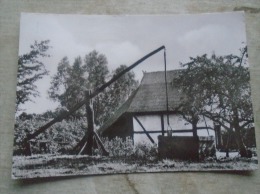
{"points": [[124, 39]]}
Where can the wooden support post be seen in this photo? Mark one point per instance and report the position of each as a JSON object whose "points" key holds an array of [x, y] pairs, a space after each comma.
{"points": [[77, 149], [105, 152], [90, 129], [86, 144]]}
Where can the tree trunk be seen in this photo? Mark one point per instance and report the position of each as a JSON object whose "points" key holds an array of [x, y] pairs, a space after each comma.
{"points": [[27, 149], [196, 139], [217, 130], [239, 138], [227, 144], [229, 132], [194, 129], [240, 142]]}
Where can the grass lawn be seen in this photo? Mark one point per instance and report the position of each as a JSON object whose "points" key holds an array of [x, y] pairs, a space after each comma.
{"points": [[67, 165]]}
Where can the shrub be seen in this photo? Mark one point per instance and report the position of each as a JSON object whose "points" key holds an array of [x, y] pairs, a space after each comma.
{"points": [[61, 137], [145, 151], [207, 150], [117, 147]]}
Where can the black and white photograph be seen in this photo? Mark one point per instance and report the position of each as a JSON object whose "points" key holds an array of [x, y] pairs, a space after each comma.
{"points": [[109, 94]]}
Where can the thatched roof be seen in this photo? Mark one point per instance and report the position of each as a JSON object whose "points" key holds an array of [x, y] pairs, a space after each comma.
{"points": [[149, 97]]}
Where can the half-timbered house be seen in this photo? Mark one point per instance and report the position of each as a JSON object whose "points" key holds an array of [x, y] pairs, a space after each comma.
{"points": [[144, 115]]}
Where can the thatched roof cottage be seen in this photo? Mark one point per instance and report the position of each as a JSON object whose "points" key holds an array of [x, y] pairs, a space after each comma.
{"points": [[144, 115]]}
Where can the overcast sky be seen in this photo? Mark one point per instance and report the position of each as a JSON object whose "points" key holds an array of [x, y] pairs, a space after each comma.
{"points": [[125, 39]]}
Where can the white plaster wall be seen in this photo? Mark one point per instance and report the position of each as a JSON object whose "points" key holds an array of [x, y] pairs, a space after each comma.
{"points": [[177, 122], [150, 123], [153, 123]]}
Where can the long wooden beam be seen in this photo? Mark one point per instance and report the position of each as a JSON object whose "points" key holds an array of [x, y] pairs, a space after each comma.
{"points": [[62, 116]]}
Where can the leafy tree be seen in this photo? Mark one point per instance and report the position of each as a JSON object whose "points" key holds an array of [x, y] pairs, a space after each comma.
{"points": [[108, 101], [59, 82], [70, 83], [30, 70], [50, 114], [119, 91], [96, 67], [77, 84], [97, 70], [190, 105], [124, 86], [221, 86]]}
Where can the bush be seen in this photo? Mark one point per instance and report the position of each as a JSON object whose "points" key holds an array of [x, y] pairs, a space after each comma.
{"points": [[117, 147], [146, 151], [207, 149], [60, 137]]}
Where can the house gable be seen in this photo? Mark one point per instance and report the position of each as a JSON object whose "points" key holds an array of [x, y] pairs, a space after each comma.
{"points": [[148, 99]]}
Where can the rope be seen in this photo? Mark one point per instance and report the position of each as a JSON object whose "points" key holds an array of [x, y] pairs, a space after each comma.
{"points": [[206, 124], [166, 88], [169, 128]]}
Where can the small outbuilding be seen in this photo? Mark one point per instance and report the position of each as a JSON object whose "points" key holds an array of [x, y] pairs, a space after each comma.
{"points": [[144, 115]]}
